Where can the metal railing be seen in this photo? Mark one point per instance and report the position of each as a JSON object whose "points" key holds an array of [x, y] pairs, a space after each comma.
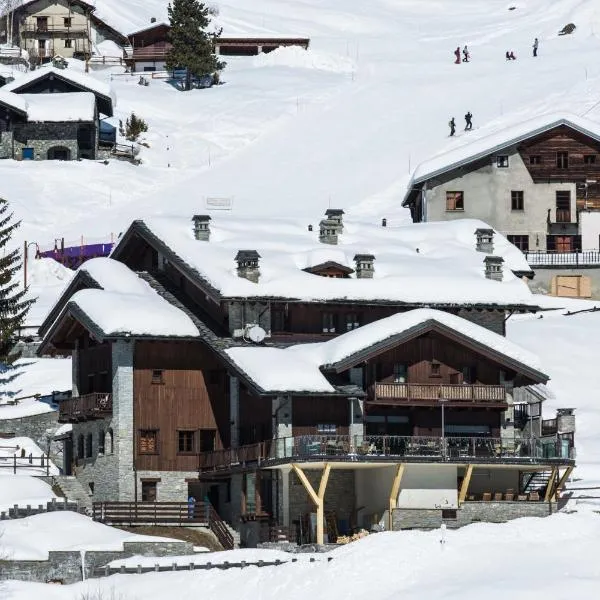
{"points": [[557, 259], [453, 392], [374, 448], [82, 408]]}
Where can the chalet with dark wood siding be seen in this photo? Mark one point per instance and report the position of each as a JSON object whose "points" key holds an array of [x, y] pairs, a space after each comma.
{"points": [[191, 378]]}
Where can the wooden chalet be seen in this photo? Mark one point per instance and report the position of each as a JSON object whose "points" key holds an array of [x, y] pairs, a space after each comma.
{"points": [[408, 417]]}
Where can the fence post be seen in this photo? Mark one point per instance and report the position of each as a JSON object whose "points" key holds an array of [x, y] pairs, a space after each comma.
{"points": [[14, 464]]}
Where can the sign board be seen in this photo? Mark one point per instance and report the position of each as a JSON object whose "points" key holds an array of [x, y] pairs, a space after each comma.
{"points": [[219, 203]]}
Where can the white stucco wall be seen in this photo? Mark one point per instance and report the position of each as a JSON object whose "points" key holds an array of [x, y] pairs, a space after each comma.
{"points": [[372, 489], [589, 224], [429, 486], [487, 196]]}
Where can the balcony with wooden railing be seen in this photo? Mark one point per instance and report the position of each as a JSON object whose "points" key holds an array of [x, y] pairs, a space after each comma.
{"points": [[85, 408], [57, 27], [431, 394], [149, 53]]}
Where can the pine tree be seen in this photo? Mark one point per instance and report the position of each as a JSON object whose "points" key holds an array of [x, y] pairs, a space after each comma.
{"points": [[192, 44], [13, 305]]}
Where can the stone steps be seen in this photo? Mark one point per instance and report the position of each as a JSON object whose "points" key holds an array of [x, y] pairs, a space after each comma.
{"points": [[74, 491]]}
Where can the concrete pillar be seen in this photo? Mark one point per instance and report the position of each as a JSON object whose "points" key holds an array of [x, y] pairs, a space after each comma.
{"points": [[284, 490], [75, 370], [234, 411], [259, 48], [123, 425], [282, 417], [357, 427], [237, 481]]}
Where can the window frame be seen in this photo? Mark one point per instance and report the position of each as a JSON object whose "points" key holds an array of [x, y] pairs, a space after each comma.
{"points": [[68, 43], [144, 433], [187, 435], [102, 442], [202, 439], [518, 243], [158, 377], [89, 445], [400, 372], [562, 160], [435, 368], [502, 161], [148, 485], [68, 21], [454, 198], [328, 322], [326, 429], [535, 160], [517, 200], [589, 159]]}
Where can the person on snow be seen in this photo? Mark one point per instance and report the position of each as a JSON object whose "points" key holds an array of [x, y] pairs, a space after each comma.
{"points": [[452, 126], [510, 55], [457, 55], [469, 121], [535, 47], [466, 54]]}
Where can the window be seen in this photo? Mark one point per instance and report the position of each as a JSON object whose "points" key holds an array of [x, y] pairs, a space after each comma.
{"points": [[563, 207], [326, 429], [68, 43], [435, 369], [520, 241], [111, 442], [101, 442], [90, 383], [158, 376], [80, 447], [516, 200], [455, 201], [502, 161], [535, 160], [208, 440], [469, 375], [399, 373], [328, 323], [88, 445], [185, 442], [278, 320], [449, 513], [352, 321], [67, 22], [562, 160], [149, 441], [589, 159], [148, 491], [91, 486]]}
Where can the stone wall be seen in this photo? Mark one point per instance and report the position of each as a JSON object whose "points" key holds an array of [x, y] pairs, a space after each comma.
{"points": [[243, 313], [171, 486], [542, 280], [67, 566], [470, 512], [492, 320], [40, 428]]}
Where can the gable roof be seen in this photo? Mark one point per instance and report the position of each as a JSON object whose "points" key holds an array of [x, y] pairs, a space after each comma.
{"points": [[329, 264], [13, 101], [84, 83], [498, 142], [302, 367]]}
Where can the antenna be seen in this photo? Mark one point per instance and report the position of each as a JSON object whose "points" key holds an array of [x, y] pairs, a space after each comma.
{"points": [[255, 333]]}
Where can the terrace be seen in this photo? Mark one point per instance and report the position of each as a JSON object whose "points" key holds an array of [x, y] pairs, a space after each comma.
{"points": [[85, 408], [431, 394]]}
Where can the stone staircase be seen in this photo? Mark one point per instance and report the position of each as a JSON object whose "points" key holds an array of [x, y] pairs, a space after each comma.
{"points": [[235, 534], [74, 491]]}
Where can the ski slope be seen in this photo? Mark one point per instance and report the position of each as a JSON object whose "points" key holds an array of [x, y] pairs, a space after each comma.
{"points": [[343, 124]]}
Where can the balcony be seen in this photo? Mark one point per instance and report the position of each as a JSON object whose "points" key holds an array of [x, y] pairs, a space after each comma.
{"points": [[150, 53], [85, 408], [426, 394], [50, 29], [549, 427], [378, 449]]}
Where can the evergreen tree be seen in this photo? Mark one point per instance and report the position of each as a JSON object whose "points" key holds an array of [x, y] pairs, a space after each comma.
{"points": [[13, 305], [192, 44]]}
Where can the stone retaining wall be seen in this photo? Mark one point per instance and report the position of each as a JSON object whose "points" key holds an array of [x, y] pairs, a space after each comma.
{"points": [[37, 427], [470, 512]]}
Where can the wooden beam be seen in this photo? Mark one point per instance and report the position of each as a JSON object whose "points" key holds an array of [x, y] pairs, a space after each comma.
{"points": [[324, 480], [562, 481], [306, 483], [394, 493], [321, 505], [551, 488], [464, 488]]}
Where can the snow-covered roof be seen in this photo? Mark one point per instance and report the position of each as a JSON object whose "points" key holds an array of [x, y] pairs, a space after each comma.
{"points": [[298, 368], [79, 106], [500, 141], [13, 100], [429, 263]]}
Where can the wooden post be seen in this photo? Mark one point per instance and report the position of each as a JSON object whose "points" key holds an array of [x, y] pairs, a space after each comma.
{"points": [[394, 493], [25, 264], [318, 499], [561, 482], [551, 485], [464, 488]]}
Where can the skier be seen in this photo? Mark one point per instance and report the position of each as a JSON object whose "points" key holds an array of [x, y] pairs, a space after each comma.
{"points": [[452, 126], [457, 54], [469, 121], [512, 55], [466, 54], [535, 47]]}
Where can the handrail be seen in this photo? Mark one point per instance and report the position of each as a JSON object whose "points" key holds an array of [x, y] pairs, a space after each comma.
{"points": [[88, 406], [437, 391]]}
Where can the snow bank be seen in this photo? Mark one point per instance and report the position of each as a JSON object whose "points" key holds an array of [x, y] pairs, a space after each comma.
{"points": [[299, 58], [58, 108], [23, 490], [22, 448]]}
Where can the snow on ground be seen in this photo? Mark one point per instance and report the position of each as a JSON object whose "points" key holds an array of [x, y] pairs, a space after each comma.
{"points": [[23, 490], [31, 538], [30, 376], [22, 448], [516, 557]]}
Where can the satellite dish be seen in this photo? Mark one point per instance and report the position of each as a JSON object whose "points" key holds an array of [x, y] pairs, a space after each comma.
{"points": [[256, 334]]}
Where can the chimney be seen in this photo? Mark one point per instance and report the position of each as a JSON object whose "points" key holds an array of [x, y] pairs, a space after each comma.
{"points": [[493, 267], [364, 266], [331, 226], [201, 227], [485, 240], [153, 20], [247, 265], [384, 222], [565, 420]]}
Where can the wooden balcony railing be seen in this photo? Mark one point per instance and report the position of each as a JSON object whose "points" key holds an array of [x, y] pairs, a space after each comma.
{"points": [[426, 392], [368, 448], [85, 408], [150, 52]]}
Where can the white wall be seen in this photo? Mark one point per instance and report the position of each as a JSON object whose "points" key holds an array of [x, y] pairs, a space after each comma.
{"points": [[372, 489], [589, 224], [429, 486]]}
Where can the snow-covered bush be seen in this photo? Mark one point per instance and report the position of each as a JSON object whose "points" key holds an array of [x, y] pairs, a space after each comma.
{"points": [[213, 9]]}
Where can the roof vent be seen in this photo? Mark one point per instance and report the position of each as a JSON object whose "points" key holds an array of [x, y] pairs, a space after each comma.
{"points": [[493, 267], [364, 266], [201, 227], [153, 20], [485, 240], [331, 226], [247, 265]]}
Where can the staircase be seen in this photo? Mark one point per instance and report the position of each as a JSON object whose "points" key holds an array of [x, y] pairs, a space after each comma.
{"points": [[73, 491], [536, 481], [235, 535]]}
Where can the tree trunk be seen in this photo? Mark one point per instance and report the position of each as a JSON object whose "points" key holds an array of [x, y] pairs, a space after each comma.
{"points": [[188, 80]]}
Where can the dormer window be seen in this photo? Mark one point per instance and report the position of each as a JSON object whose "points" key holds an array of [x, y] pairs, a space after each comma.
{"points": [[502, 161], [330, 269]]}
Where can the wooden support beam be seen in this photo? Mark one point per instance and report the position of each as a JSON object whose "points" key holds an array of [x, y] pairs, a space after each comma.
{"points": [[464, 488], [394, 493], [551, 485], [561, 482], [306, 483]]}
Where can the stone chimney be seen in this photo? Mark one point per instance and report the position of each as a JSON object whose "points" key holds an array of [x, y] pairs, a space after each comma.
{"points": [[331, 226], [364, 266], [565, 420], [493, 267], [247, 265], [485, 240], [201, 227]]}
